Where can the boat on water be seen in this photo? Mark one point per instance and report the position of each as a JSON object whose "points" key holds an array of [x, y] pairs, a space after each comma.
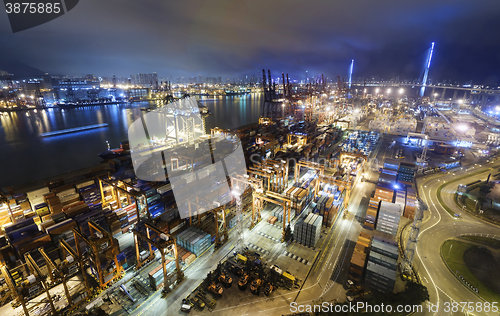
{"points": [[124, 150], [89, 103], [236, 92]]}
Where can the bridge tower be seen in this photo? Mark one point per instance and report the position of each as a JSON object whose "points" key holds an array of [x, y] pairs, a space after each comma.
{"points": [[426, 70], [350, 76]]}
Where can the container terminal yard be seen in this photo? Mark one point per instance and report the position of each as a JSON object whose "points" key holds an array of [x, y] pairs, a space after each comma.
{"points": [[328, 207]]}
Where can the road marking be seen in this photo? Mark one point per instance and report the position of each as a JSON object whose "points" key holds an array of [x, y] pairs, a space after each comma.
{"points": [[418, 254]]}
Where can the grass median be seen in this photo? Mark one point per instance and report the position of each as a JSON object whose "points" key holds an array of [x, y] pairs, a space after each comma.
{"points": [[452, 252]]}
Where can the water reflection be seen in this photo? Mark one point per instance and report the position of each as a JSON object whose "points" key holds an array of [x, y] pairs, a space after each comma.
{"points": [[26, 156]]}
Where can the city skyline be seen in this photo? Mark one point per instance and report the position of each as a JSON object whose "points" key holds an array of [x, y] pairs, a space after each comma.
{"points": [[191, 38]]}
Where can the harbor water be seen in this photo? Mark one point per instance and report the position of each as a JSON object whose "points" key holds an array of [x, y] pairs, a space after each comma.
{"points": [[26, 156]]}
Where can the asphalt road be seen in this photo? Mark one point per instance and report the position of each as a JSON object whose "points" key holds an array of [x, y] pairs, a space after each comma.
{"points": [[439, 226]]}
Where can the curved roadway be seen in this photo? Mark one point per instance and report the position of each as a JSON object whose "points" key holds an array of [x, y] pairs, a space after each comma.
{"points": [[439, 226]]}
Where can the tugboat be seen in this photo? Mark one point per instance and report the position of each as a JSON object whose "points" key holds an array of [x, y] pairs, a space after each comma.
{"points": [[124, 150]]}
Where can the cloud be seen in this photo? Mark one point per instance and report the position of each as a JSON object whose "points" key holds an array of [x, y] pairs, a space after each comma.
{"points": [[221, 37]]}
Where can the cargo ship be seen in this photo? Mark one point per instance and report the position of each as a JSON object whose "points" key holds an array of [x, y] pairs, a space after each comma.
{"points": [[237, 92], [124, 150]]}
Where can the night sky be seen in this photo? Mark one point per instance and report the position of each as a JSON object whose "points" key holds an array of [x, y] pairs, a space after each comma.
{"points": [[234, 38]]}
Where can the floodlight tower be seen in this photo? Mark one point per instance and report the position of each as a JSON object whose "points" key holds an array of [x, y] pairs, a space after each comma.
{"points": [[426, 70], [237, 193]]}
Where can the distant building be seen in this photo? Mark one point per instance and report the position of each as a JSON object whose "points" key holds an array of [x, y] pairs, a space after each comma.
{"points": [[145, 80], [78, 83]]}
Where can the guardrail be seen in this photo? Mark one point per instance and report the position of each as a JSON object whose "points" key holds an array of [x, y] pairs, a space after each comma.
{"points": [[491, 236]]}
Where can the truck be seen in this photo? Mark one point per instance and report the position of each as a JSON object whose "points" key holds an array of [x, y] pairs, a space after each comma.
{"points": [[195, 301], [186, 305], [287, 278]]}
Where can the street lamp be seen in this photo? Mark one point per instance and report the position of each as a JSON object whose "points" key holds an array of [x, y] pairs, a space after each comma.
{"points": [[401, 90], [462, 127]]}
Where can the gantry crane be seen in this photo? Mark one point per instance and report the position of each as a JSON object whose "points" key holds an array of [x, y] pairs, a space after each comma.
{"points": [[260, 174], [301, 139], [330, 180], [5, 294], [348, 154], [102, 246], [308, 164], [119, 187], [40, 278], [277, 199], [188, 162], [165, 243], [271, 144], [219, 215], [238, 182], [18, 292], [276, 173], [60, 274], [279, 170], [68, 252]]}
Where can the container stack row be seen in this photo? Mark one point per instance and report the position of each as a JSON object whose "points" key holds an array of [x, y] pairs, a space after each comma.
{"points": [[411, 201], [90, 192], [382, 263], [156, 278], [388, 218], [361, 142], [308, 231], [382, 193], [185, 256], [298, 197], [194, 240], [437, 128], [19, 205], [358, 260], [400, 198], [406, 173], [127, 257], [335, 209], [371, 214], [280, 214]]}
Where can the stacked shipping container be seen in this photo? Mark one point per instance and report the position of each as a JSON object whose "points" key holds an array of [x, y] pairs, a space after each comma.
{"points": [[382, 263], [388, 218], [411, 200], [307, 231], [371, 214], [194, 240], [358, 260]]}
